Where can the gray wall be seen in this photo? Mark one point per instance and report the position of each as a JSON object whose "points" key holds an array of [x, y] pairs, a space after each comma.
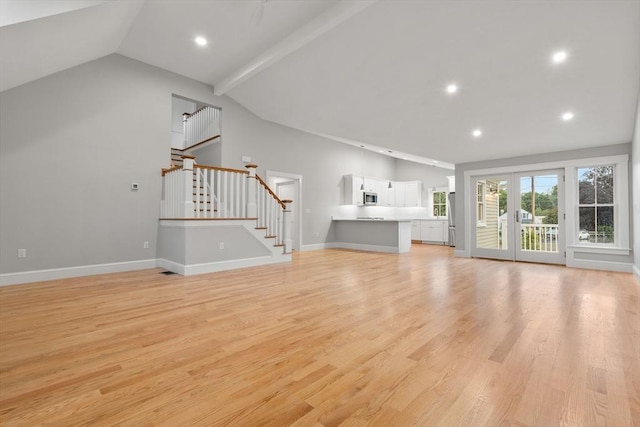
{"points": [[461, 198], [72, 143], [635, 188]]}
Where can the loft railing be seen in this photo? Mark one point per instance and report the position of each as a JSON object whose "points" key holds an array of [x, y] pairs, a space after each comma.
{"points": [[201, 126], [193, 191]]}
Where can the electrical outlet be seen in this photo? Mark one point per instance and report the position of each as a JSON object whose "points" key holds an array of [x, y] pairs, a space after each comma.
{"points": [[145, 245], [22, 253], [221, 245]]}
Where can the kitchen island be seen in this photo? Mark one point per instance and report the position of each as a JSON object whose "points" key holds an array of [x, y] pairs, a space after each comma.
{"points": [[373, 234]]}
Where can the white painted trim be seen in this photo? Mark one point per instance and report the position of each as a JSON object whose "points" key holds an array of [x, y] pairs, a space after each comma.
{"points": [[298, 203], [461, 253], [313, 29], [78, 271], [636, 272], [212, 267], [623, 267], [368, 248], [599, 250]]}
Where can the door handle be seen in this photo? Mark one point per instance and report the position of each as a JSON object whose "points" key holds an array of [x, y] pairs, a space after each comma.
{"points": [[517, 215]]}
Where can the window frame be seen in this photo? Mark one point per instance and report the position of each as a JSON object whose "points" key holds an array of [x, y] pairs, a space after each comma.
{"points": [[483, 202], [597, 205], [621, 219], [434, 204]]}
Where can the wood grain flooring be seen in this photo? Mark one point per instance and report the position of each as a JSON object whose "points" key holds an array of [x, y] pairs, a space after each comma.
{"points": [[335, 338]]}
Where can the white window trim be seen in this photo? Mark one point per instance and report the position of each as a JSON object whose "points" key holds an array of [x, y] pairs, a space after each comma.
{"points": [[482, 223], [433, 200], [622, 199], [621, 202]]}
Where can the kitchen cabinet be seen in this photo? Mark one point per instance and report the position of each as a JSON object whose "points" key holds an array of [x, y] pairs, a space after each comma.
{"points": [[408, 194], [401, 194], [416, 230], [429, 231], [352, 191], [433, 231]]}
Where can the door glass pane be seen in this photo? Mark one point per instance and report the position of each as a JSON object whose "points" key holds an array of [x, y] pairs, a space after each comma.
{"points": [[539, 213], [491, 214]]}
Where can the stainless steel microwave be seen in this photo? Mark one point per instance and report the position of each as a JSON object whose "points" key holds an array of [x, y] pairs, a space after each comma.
{"points": [[370, 198]]}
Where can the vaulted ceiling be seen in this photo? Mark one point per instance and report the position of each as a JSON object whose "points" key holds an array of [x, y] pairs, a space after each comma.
{"points": [[366, 72]]}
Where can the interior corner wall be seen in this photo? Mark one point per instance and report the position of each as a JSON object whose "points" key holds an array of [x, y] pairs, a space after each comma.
{"points": [[72, 143]]}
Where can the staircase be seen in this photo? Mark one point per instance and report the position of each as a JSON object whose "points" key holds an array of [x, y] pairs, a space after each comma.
{"points": [[216, 210], [176, 157]]}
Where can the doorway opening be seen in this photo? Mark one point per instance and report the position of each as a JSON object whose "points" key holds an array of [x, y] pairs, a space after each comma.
{"points": [[288, 186]]}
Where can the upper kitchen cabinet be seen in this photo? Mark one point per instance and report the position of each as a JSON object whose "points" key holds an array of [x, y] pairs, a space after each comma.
{"points": [[401, 194], [353, 189], [408, 194]]}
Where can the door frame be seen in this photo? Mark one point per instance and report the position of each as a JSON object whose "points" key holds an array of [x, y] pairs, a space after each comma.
{"points": [[513, 251], [272, 178]]}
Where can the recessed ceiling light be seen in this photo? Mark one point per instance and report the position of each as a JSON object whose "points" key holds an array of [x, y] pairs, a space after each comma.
{"points": [[476, 133], [380, 151], [559, 56], [567, 116], [452, 88], [201, 41]]}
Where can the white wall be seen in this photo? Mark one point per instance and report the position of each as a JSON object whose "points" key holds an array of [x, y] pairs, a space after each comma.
{"points": [[73, 142], [178, 107]]}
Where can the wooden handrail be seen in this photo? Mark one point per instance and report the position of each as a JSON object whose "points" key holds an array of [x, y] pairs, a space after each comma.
{"points": [[195, 145], [167, 170], [216, 168], [198, 110], [264, 184]]}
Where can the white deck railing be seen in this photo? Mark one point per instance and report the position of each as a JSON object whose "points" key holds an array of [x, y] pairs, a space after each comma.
{"points": [[539, 237], [208, 192], [201, 126]]}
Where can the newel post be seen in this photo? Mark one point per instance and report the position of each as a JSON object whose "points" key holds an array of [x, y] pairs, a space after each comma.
{"points": [[187, 186], [252, 207], [286, 226]]}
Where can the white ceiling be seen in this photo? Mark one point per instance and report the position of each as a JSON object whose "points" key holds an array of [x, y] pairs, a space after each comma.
{"points": [[373, 73]]}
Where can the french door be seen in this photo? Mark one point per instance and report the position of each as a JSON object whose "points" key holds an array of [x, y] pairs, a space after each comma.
{"points": [[519, 216]]}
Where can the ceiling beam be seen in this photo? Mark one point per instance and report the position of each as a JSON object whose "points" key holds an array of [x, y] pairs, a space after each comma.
{"points": [[313, 29]]}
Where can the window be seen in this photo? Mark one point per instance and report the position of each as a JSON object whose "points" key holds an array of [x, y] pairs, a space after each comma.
{"points": [[439, 203], [480, 203], [596, 204]]}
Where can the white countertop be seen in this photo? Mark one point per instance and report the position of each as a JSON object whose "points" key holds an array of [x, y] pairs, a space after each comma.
{"points": [[371, 219]]}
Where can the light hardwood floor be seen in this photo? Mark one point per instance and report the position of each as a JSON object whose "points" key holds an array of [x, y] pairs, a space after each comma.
{"points": [[334, 338]]}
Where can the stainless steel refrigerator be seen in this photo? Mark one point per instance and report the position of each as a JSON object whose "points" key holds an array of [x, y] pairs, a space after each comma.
{"points": [[451, 214]]}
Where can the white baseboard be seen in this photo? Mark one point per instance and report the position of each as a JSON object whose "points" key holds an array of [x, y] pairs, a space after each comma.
{"points": [[369, 248], [317, 247], [622, 267], [68, 272], [636, 272], [461, 253], [212, 267]]}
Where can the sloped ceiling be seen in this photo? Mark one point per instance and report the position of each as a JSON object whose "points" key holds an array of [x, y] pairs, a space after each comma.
{"points": [[374, 73], [60, 36]]}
